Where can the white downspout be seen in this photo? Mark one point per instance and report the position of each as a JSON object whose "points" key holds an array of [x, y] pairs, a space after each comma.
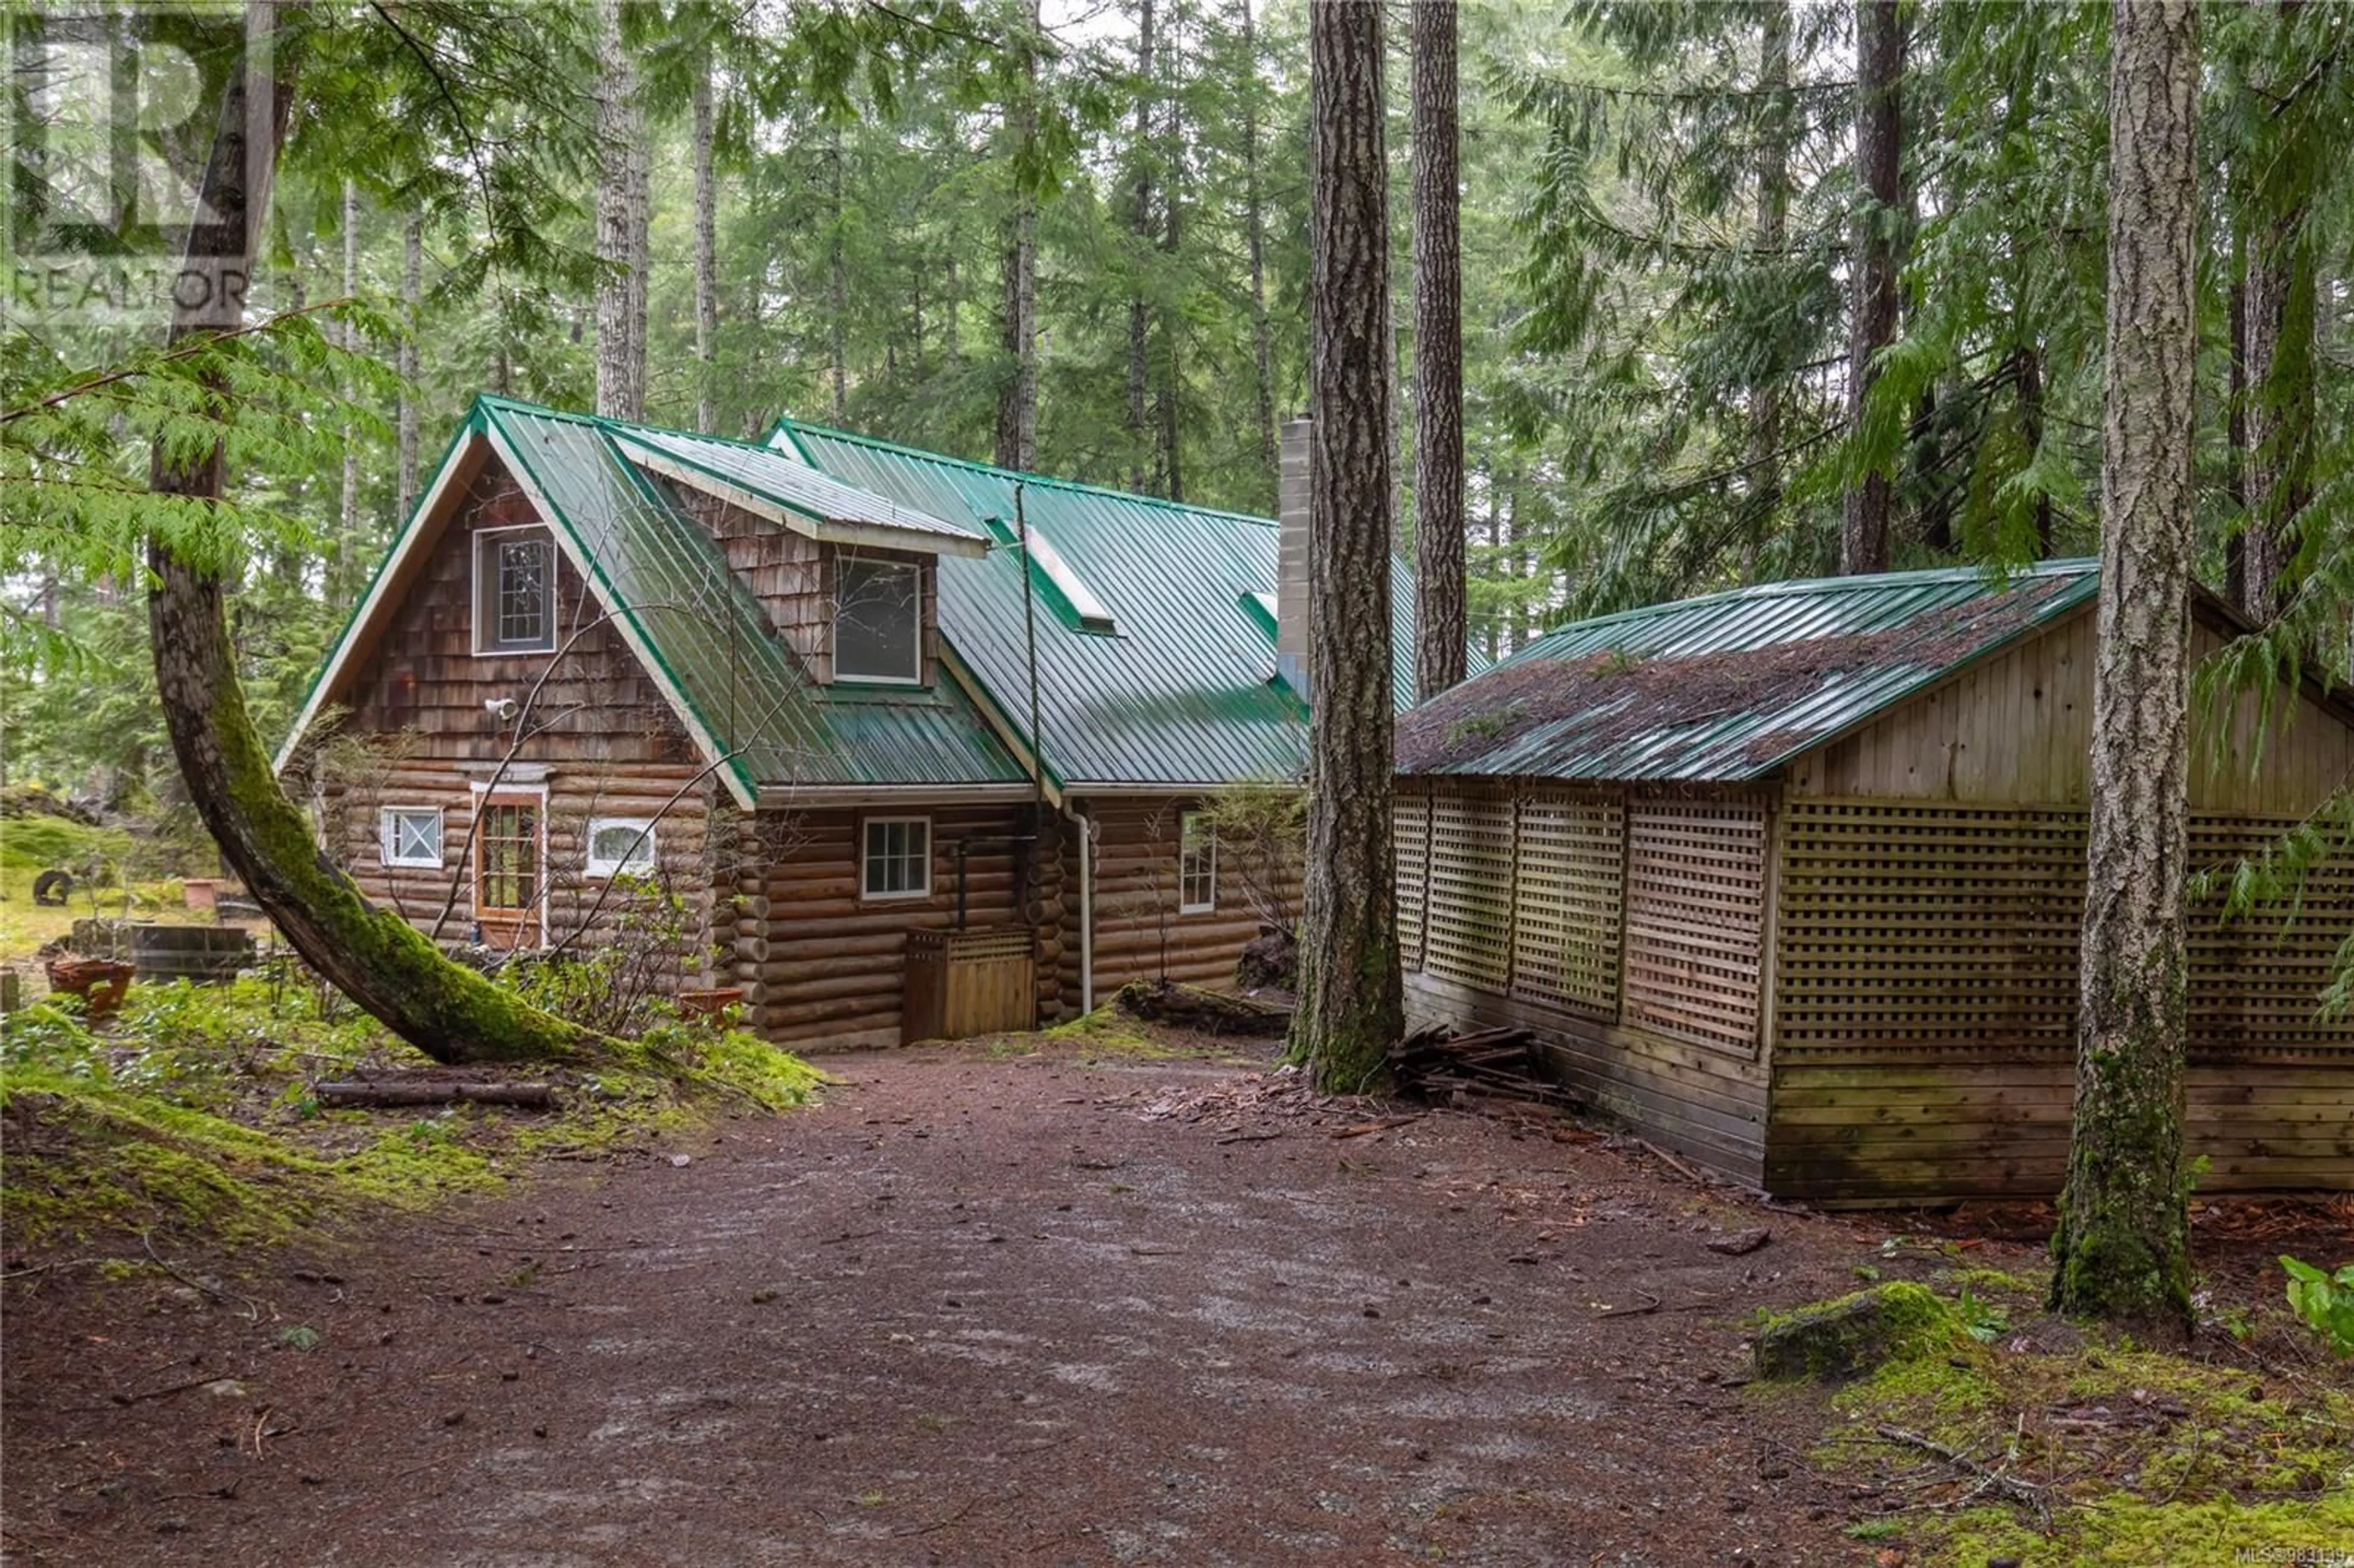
{"points": [[1086, 906]]}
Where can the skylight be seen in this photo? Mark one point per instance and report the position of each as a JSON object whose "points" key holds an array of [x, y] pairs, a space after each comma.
{"points": [[1092, 613]]}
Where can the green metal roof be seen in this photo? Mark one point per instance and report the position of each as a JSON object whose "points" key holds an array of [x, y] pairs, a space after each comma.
{"points": [[708, 638], [1184, 690], [1730, 686]]}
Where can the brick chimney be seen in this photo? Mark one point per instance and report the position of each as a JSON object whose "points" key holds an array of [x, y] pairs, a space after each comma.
{"points": [[1291, 582]]}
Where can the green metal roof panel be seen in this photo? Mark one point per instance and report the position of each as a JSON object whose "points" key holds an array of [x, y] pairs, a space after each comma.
{"points": [[795, 486], [1186, 692], [710, 639], [1730, 686]]}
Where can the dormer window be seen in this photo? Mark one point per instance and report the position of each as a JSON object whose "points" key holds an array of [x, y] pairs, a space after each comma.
{"points": [[515, 591], [879, 621]]}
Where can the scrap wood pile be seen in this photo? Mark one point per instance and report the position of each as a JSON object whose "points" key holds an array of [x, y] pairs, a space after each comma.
{"points": [[1439, 1066]]}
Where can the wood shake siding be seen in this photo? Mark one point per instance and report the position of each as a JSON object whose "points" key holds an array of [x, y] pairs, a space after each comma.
{"points": [[610, 745]]}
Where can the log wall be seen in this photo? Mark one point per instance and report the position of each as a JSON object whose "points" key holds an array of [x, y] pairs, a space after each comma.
{"points": [[827, 967], [1140, 933]]}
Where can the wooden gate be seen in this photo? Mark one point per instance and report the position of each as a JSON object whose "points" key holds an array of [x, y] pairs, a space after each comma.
{"points": [[963, 984]]}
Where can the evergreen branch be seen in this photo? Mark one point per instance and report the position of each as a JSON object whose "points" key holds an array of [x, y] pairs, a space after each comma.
{"points": [[465, 128], [188, 348]]}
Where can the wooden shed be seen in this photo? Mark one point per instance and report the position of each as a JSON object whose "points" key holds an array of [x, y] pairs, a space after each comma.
{"points": [[1791, 877]]}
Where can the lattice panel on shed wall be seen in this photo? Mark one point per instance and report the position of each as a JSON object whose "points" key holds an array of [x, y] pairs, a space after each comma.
{"points": [[2253, 982], [1695, 919], [1570, 858], [1921, 923], [1907, 926], [1410, 825], [1469, 920]]}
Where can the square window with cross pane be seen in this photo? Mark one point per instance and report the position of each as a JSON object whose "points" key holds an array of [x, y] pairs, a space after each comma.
{"points": [[412, 835], [897, 858], [515, 591]]}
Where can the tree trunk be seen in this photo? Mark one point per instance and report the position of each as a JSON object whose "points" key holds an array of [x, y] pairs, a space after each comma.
{"points": [[1495, 558], [620, 229], [2123, 1249], [412, 289], [2280, 313], [1141, 226], [1441, 638], [952, 308], [347, 555], [837, 283], [1017, 399], [2236, 425], [1168, 455], [706, 241], [373, 956], [2029, 373], [1255, 242], [1772, 232], [1349, 1004], [1879, 177]]}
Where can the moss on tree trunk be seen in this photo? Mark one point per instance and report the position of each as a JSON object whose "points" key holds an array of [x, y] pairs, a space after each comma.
{"points": [[373, 956], [2122, 1246]]}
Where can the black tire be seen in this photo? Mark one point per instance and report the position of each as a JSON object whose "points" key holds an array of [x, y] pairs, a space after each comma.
{"points": [[52, 888]]}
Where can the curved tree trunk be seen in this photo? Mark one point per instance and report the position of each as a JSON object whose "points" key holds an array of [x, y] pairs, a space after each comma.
{"points": [[1349, 1004], [2123, 1249], [1441, 636], [373, 956]]}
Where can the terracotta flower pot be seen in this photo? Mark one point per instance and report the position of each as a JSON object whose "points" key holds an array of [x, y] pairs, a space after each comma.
{"points": [[709, 1002], [100, 982]]}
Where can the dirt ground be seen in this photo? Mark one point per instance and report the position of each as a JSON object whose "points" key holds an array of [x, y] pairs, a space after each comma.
{"points": [[970, 1309]]}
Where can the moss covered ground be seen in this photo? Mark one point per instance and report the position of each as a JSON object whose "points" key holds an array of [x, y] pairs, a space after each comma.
{"points": [[194, 1113], [2014, 1435]]}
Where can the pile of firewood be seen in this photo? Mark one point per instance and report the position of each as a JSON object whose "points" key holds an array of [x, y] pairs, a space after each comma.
{"points": [[1498, 1063]]}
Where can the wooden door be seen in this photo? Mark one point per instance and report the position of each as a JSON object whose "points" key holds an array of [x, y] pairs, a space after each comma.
{"points": [[509, 870]]}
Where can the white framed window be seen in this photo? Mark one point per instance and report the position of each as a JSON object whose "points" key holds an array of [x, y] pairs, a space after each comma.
{"points": [[879, 621], [411, 835], [896, 861], [620, 846], [1197, 863], [515, 591]]}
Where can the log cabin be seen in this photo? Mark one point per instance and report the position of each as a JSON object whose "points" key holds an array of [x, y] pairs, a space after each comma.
{"points": [[902, 745], [1791, 878]]}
